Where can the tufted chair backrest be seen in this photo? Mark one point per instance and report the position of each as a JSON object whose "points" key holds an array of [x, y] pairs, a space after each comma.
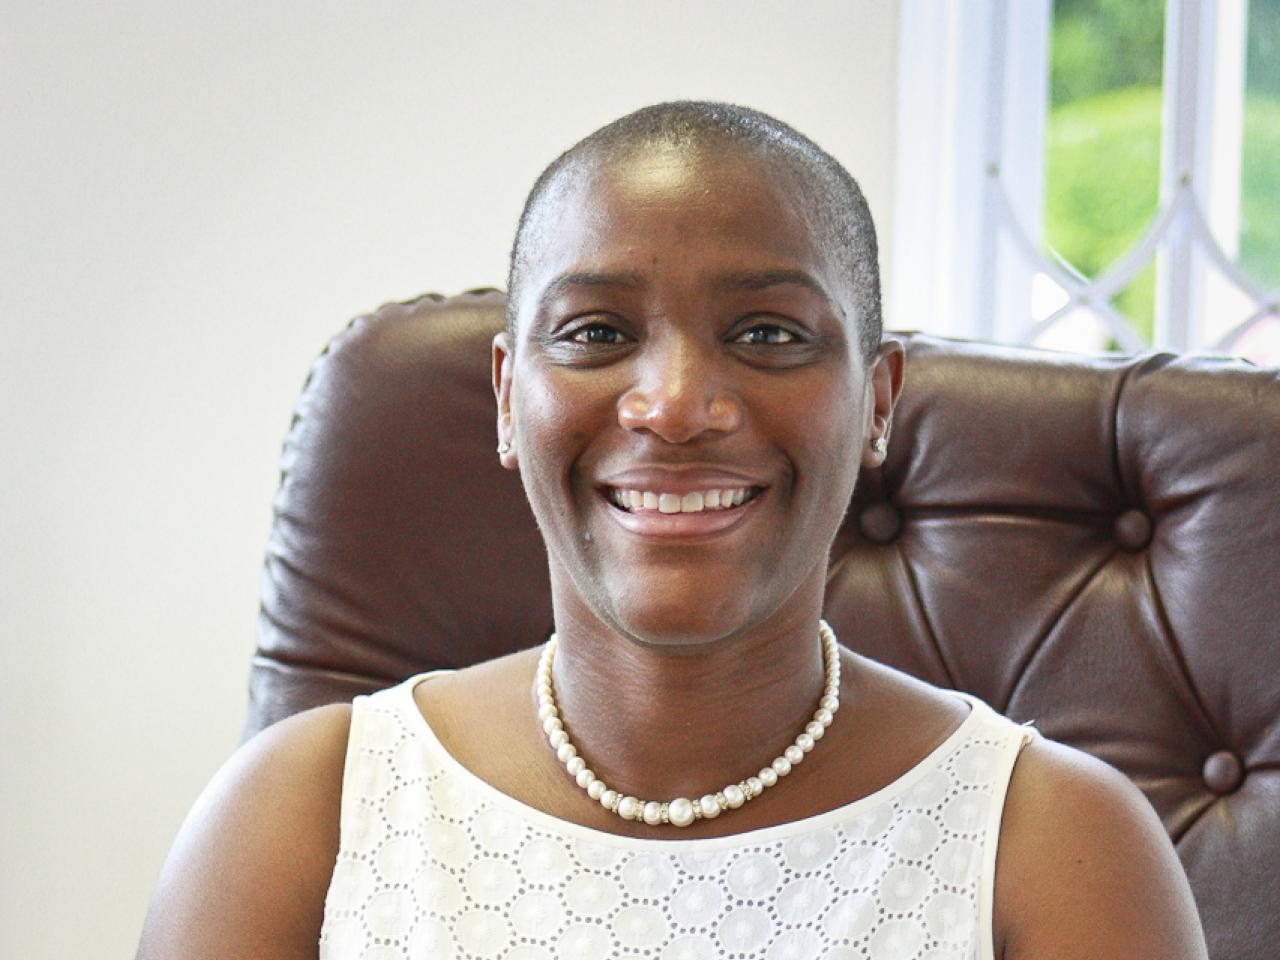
{"points": [[1088, 543]]}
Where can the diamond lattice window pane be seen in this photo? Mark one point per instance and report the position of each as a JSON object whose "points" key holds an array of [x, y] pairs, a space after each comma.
{"points": [[1258, 247], [1047, 297], [1225, 307], [1102, 153], [1136, 302], [1260, 343], [1078, 330]]}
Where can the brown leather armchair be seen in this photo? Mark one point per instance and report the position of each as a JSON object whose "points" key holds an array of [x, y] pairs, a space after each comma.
{"points": [[1088, 543]]}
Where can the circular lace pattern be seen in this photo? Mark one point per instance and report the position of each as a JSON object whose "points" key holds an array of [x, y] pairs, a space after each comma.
{"points": [[434, 863]]}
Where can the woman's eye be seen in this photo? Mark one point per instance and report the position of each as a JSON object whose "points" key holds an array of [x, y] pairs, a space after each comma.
{"points": [[766, 333], [597, 333]]}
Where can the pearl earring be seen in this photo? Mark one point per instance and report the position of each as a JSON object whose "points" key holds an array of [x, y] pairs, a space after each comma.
{"points": [[504, 448], [879, 445]]}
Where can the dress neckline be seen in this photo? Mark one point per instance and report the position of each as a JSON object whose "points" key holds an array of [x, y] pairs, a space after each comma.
{"points": [[781, 831]]}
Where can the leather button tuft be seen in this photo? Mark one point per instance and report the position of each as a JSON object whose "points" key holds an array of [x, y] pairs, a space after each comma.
{"points": [[1133, 530], [1223, 772], [880, 522]]}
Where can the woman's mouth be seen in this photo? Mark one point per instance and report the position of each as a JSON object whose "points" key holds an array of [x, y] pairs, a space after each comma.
{"points": [[697, 501]]}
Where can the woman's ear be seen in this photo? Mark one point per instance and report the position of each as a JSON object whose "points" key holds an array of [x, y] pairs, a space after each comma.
{"points": [[503, 361], [885, 386]]}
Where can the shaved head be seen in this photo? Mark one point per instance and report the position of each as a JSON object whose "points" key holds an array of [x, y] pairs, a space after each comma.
{"points": [[833, 201]]}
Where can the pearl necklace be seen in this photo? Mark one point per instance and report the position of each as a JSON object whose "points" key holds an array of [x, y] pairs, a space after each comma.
{"points": [[682, 811]]}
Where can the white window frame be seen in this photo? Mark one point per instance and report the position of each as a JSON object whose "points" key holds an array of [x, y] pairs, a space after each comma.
{"points": [[973, 90]]}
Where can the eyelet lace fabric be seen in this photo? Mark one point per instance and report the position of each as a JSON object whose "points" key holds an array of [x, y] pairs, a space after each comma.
{"points": [[435, 864]]}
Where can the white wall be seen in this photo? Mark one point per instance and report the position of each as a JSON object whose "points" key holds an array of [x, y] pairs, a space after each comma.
{"points": [[195, 196]]}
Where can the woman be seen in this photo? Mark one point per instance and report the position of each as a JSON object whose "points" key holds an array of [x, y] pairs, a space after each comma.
{"points": [[693, 767]]}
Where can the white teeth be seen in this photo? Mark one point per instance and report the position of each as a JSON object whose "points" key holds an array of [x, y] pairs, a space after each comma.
{"points": [[694, 502]]}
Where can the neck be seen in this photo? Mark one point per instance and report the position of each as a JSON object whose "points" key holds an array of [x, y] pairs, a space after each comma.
{"points": [[664, 721]]}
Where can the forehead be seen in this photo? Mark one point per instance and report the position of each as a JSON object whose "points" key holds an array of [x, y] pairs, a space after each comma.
{"points": [[680, 215]]}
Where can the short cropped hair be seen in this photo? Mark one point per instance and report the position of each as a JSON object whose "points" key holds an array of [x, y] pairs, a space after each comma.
{"points": [[832, 193]]}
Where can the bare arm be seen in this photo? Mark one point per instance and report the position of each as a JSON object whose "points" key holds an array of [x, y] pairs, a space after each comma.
{"points": [[248, 872], [1085, 870]]}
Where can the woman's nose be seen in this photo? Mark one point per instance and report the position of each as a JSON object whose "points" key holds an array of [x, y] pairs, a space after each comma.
{"points": [[678, 396]]}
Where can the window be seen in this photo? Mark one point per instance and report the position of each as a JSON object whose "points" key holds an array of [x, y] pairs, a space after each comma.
{"points": [[1091, 174]]}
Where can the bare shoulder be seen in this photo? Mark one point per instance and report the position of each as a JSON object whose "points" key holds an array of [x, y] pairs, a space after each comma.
{"points": [[897, 704], [500, 674], [249, 869], [1085, 868], [462, 704]]}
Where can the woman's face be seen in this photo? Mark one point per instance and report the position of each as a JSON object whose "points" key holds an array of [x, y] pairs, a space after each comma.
{"points": [[684, 341]]}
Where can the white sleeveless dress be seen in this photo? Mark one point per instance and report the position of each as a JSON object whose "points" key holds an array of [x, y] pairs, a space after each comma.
{"points": [[435, 864]]}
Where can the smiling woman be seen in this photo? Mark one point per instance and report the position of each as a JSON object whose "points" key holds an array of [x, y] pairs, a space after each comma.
{"points": [[692, 766], [677, 326]]}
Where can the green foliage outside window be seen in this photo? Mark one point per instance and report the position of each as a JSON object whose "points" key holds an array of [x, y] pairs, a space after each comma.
{"points": [[1103, 143]]}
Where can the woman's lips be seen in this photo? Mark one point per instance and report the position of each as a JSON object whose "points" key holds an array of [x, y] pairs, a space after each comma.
{"points": [[656, 513], [694, 501]]}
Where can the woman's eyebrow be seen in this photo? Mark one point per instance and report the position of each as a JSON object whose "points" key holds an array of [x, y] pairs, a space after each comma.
{"points": [[763, 279], [568, 281], [738, 280]]}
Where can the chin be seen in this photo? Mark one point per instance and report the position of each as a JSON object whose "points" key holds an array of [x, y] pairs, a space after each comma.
{"points": [[678, 621]]}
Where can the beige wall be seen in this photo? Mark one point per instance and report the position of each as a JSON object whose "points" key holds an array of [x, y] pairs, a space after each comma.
{"points": [[195, 196]]}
